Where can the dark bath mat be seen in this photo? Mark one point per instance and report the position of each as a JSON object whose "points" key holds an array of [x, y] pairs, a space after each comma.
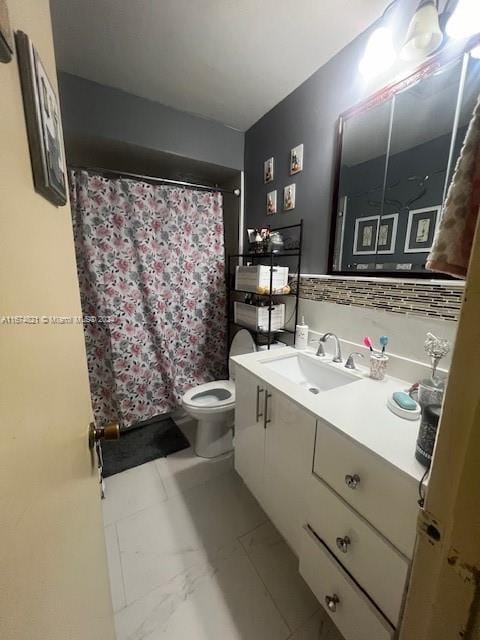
{"points": [[148, 441]]}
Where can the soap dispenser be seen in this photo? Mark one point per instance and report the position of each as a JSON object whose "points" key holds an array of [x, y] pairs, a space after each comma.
{"points": [[301, 336]]}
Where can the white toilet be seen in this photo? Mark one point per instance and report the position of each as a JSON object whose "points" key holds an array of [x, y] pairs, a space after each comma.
{"points": [[213, 405]]}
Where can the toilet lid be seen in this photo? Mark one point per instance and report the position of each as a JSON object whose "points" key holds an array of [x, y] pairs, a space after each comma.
{"points": [[242, 343]]}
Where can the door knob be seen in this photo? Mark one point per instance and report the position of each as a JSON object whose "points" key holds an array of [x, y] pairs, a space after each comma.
{"points": [[110, 431]]}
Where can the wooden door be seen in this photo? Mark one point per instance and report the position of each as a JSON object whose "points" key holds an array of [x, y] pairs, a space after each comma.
{"points": [[249, 431], [53, 575]]}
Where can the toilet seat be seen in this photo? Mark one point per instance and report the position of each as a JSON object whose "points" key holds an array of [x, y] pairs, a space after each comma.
{"points": [[211, 397]]}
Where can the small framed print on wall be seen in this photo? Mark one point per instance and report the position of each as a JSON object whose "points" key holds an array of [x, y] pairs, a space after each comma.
{"points": [[268, 170], [42, 115], [296, 159], [387, 234], [365, 238], [289, 197], [421, 227], [271, 202]]}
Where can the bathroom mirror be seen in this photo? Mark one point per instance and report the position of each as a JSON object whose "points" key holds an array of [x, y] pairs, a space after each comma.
{"points": [[396, 156]]}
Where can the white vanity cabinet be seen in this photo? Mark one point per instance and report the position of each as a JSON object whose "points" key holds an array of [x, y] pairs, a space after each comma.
{"points": [[289, 445], [249, 439], [274, 445], [348, 512]]}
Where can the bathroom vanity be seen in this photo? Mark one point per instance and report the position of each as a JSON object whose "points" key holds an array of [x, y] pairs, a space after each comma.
{"points": [[335, 471]]}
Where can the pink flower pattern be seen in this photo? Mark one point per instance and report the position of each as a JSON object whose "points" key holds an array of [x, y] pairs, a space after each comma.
{"points": [[151, 259]]}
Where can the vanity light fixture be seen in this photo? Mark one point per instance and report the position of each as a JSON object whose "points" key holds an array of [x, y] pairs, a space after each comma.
{"points": [[465, 20], [424, 35], [379, 53]]}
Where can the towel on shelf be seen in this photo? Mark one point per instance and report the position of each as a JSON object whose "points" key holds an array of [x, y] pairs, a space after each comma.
{"points": [[451, 248]]}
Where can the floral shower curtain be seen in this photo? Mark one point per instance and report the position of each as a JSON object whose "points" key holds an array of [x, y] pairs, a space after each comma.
{"points": [[151, 270]]}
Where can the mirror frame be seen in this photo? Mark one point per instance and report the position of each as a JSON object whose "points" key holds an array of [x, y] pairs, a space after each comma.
{"points": [[445, 56]]}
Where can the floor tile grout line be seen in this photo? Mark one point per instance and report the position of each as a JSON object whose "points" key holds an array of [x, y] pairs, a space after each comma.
{"points": [[124, 588], [266, 588]]}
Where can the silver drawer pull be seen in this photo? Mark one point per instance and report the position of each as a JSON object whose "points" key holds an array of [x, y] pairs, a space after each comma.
{"points": [[352, 482], [257, 413], [331, 602], [343, 543]]}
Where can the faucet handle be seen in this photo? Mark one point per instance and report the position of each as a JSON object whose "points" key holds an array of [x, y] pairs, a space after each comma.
{"points": [[350, 363]]}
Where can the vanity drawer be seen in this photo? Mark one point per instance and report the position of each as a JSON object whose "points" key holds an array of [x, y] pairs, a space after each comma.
{"points": [[353, 613], [381, 494], [375, 564]]}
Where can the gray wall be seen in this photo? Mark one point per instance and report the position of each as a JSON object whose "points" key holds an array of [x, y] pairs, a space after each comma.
{"points": [[309, 115], [94, 110]]}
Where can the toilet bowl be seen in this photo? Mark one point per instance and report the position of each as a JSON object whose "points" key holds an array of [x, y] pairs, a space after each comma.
{"points": [[213, 405]]}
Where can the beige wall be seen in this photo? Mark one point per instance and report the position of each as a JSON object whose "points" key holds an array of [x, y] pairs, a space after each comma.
{"points": [[53, 582]]}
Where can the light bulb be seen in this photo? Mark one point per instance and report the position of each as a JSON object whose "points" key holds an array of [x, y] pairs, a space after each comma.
{"points": [[379, 53], [465, 20], [475, 53]]}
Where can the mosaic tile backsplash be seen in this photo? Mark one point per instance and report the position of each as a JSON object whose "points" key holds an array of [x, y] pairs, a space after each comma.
{"points": [[430, 300]]}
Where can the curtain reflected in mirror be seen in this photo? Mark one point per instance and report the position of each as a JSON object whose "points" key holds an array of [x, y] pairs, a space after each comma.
{"points": [[397, 159]]}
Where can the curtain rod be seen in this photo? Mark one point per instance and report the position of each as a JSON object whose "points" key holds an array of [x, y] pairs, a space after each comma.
{"points": [[136, 176]]}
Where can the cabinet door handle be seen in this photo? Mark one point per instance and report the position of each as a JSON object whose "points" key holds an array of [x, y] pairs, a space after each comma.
{"points": [[258, 415], [265, 410], [352, 482], [343, 543], [331, 602]]}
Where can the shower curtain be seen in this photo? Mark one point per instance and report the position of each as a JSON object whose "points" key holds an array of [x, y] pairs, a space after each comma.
{"points": [[151, 269]]}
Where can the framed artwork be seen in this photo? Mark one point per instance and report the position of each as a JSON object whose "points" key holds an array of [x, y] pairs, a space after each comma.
{"points": [[272, 202], [42, 115], [365, 238], [421, 227], [296, 159], [387, 233], [6, 37], [268, 170], [289, 197]]}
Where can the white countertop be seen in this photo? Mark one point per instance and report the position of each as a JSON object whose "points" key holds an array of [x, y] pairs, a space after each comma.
{"points": [[357, 410]]}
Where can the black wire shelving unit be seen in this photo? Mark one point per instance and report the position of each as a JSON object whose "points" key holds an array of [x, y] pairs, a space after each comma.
{"points": [[271, 259]]}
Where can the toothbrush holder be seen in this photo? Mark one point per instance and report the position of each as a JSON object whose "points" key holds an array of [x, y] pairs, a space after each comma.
{"points": [[378, 366]]}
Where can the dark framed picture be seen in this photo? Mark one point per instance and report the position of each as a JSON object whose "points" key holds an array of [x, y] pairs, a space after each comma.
{"points": [[365, 239], [387, 234], [421, 227], [42, 115]]}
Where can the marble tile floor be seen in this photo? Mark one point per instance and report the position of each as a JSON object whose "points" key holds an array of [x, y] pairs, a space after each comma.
{"points": [[192, 556]]}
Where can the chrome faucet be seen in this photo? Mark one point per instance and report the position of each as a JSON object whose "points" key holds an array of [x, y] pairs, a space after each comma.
{"points": [[338, 351], [350, 363]]}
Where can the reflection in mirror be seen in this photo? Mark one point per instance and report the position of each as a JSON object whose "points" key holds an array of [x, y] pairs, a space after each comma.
{"points": [[397, 158], [362, 176], [423, 119]]}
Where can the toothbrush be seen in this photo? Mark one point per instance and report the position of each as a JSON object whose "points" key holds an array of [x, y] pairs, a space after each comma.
{"points": [[383, 343], [368, 343]]}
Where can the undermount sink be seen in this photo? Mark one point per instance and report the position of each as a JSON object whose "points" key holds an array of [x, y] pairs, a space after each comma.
{"points": [[310, 374]]}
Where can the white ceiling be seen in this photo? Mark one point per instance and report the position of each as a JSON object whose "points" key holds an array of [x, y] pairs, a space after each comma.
{"points": [[229, 60]]}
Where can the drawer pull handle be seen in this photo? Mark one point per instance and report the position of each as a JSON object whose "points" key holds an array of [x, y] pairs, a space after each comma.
{"points": [[257, 412], [352, 482], [331, 602], [343, 543]]}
